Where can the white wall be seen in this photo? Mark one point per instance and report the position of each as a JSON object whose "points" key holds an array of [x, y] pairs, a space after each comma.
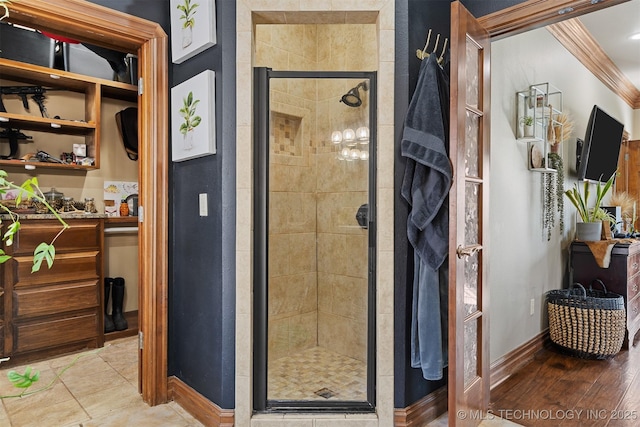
{"points": [[523, 264]]}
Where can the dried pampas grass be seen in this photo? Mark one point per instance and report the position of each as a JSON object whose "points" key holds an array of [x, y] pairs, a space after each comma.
{"points": [[564, 128], [625, 201]]}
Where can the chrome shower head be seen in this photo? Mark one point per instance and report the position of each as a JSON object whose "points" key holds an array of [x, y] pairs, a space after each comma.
{"points": [[352, 98]]}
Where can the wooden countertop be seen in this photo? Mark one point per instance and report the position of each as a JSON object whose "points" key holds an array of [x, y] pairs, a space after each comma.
{"points": [[108, 220]]}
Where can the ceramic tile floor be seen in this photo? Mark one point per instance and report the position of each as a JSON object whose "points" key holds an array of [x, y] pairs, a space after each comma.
{"points": [[100, 389], [317, 374]]}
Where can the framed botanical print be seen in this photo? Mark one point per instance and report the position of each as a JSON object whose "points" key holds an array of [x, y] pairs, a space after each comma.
{"points": [[193, 28], [193, 127]]}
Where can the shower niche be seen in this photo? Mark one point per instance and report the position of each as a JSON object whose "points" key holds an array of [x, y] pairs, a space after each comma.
{"points": [[314, 269]]}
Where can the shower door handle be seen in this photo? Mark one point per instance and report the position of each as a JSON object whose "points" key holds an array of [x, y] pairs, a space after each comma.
{"points": [[362, 216]]}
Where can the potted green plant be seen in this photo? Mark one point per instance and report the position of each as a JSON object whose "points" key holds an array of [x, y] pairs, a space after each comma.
{"points": [[188, 9], [591, 226], [190, 120], [527, 126]]}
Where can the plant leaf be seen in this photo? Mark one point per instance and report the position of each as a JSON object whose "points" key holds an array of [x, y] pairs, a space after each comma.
{"points": [[12, 229], [4, 257], [25, 380], [43, 252]]}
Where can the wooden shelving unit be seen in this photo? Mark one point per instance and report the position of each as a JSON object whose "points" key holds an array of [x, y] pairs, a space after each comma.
{"points": [[58, 83]]}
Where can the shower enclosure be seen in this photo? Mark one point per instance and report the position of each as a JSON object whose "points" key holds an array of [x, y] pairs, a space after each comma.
{"points": [[314, 240]]}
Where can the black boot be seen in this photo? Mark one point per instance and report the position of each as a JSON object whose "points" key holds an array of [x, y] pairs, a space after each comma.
{"points": [[108, 323], [117, 291]]}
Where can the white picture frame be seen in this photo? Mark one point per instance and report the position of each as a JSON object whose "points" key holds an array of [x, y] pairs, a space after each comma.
{"points": [[193, 28], [193, 127]]}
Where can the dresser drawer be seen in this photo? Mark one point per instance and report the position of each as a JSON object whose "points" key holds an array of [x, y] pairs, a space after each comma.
{"points": [[66, 268], [83, 234], [633, 286], [30, 302], [633, 309], [633, 264], [51, 333]]}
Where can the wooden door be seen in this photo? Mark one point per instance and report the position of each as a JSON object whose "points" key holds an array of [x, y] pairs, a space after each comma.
{"points": [[628, 178], [468, 228]]}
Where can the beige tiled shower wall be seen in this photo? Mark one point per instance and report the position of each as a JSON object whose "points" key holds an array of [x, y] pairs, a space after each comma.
{"points": [[342, 244], [293, 288], [316, 47], [316, 295]]}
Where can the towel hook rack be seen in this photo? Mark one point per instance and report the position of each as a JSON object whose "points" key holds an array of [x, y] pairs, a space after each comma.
{"points": [[422, 53]]}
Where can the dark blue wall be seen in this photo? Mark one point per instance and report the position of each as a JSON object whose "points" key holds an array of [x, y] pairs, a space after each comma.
{"points": [[414, 18], [202, 287], [202, 249]]}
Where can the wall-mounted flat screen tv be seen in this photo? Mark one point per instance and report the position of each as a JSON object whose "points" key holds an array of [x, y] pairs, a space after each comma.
{"points": [[601, 148]]}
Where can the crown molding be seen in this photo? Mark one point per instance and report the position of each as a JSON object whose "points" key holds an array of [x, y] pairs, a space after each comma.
{"points": [[575, 37], [560, 18], [532, 14]]}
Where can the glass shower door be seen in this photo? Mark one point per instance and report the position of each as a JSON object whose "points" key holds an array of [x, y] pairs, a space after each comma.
{"points": [[314, 286]]}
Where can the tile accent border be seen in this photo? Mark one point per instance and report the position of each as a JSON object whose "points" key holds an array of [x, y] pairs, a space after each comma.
{"points": [[201, 408]]}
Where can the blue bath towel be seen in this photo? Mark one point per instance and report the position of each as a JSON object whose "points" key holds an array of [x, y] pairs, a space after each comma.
{"points": [[426, 185], [428, 173]]}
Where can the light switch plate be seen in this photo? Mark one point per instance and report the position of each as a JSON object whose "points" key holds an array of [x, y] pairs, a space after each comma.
{"points": [[203, 205]]}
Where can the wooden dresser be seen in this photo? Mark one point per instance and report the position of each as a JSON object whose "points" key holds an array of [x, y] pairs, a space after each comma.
{"points": [[621, 277], [54, 310]]}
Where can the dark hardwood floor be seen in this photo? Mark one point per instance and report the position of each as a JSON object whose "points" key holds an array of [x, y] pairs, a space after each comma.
{"points": [[560, 390]]}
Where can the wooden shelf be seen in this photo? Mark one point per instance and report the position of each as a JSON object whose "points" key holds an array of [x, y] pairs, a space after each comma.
{"points": [[56, 79], [121, 221], [56, 83], [22, 164], [44, 124]]}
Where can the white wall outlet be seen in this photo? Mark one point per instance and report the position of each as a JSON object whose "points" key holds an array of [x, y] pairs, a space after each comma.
{"points": [[203, 205], [532, 307]]}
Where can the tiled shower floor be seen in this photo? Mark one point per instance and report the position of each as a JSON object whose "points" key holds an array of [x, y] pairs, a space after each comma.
{"points": [[317, 374]]}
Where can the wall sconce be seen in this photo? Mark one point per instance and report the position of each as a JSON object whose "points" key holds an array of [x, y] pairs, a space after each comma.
{"points": [[336, 137], [349, 137], [362, 133], [347, 140]]}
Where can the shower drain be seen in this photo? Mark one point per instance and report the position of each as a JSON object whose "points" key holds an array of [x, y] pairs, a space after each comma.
{"points": [[325, 392]]}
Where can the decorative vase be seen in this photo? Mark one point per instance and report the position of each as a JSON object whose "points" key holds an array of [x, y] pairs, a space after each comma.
{"points": [[527, 131], [124, 208], [588, 231], [188, 140], [187, 37]]}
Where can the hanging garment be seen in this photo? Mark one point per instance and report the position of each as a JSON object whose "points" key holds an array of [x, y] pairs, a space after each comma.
{"points": [[425, 187]]}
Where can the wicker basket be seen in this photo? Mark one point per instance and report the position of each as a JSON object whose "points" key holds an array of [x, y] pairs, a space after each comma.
{"points": [[587, 323]]}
